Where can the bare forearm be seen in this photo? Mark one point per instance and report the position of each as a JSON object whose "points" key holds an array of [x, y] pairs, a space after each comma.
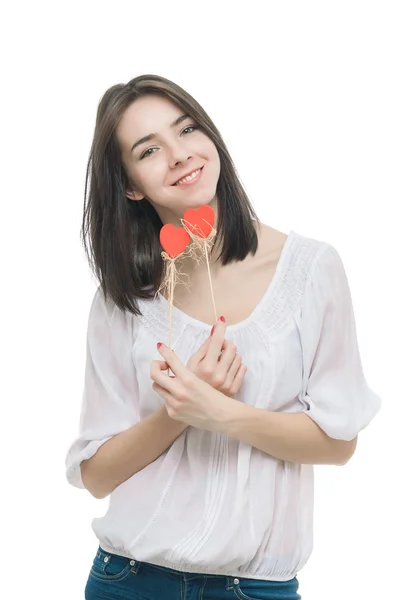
{"points": [[292, 437], [128, 452]]}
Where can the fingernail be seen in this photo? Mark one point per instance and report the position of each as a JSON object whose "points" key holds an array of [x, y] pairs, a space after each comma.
{"points": [[222, 319], [158, 345], [213, 328]]}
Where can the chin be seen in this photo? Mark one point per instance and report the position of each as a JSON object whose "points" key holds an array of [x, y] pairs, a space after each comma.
{"points": [[196, 203]]}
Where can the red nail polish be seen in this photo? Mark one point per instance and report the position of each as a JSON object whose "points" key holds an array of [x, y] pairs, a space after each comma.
{"points": [[158, 345], [222, 319], [213, 328]]}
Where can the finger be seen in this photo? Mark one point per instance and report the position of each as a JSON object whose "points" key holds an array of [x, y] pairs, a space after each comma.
{"points": [[228, 353], [224, 364], [163, 365], [166, 382], [199, 354], [224, 359], [173, 361], [238, 379], [169, 401], [216, 343], [158, 372], [232, 371], [156, 366]]}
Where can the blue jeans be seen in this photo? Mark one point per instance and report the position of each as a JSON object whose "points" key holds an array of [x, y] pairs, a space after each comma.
{"points": [[115, 577]]}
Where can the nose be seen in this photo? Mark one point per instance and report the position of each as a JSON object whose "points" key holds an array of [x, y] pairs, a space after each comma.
{"points": [[178, 153]]}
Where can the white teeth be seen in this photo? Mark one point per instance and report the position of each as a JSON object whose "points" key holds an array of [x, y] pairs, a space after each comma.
{"points": [[189, 177]]}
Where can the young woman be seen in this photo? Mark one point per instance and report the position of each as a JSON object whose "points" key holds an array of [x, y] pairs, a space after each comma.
{"points": [[209, 471]]}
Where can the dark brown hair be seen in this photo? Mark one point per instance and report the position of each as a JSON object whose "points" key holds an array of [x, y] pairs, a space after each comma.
{"points": [[121, 236]]}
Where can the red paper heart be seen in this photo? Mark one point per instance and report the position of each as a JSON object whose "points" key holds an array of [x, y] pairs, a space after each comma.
{"points": [[200, 221], [173, 239]]}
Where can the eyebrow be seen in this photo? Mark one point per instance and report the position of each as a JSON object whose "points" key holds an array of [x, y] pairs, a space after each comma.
{"points": [[149, 137]]}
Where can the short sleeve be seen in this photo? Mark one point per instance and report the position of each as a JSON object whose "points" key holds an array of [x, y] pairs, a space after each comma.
{"points": [[110, 395], [335, 392]]}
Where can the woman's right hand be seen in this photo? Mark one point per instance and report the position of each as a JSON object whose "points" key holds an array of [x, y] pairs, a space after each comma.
{"points": [[217, 362]]}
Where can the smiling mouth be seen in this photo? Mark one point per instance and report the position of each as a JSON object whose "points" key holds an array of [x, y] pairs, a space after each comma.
{"points": [[180, 182]]}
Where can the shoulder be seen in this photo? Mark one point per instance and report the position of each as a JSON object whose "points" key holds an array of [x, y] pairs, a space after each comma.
{"points": [[310, 253], [299, 252], [103, 305], [271, 240], [316, 271], [106, 314], [319, 256], [303, 261]]}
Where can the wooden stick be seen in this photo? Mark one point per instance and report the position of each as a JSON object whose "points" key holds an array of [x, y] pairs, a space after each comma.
{"points": [[210, 279]]}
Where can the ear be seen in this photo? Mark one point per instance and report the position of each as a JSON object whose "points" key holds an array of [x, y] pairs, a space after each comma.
{"points": [[132, 195]]}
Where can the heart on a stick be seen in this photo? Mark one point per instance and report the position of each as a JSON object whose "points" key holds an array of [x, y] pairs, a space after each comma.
{"points": [[173, 239], [200, 221]]}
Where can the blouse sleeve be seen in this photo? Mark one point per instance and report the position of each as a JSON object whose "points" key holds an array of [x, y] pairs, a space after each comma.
{"points": [[335, 393], [110, 396]]}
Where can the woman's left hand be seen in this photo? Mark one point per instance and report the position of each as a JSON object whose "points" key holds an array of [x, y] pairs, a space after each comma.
{"points": [[188, 398]]}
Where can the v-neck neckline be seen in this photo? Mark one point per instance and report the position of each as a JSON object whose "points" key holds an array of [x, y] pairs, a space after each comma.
{"points": [[183, 317]]}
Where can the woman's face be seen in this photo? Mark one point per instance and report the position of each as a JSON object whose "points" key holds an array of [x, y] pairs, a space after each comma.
{"points": [[174, 151]]}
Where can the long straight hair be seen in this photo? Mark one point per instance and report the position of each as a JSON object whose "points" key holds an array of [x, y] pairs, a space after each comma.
{"points": [[121, 236]]}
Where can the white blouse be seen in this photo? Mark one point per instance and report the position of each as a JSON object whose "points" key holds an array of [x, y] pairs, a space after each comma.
{"points": [[212, 504]]}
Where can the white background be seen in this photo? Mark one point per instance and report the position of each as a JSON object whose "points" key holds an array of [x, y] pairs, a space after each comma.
{"points": [[307, 97]]}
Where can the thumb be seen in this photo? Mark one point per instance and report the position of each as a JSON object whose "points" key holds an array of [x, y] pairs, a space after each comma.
{"points": [[163, 365]]}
